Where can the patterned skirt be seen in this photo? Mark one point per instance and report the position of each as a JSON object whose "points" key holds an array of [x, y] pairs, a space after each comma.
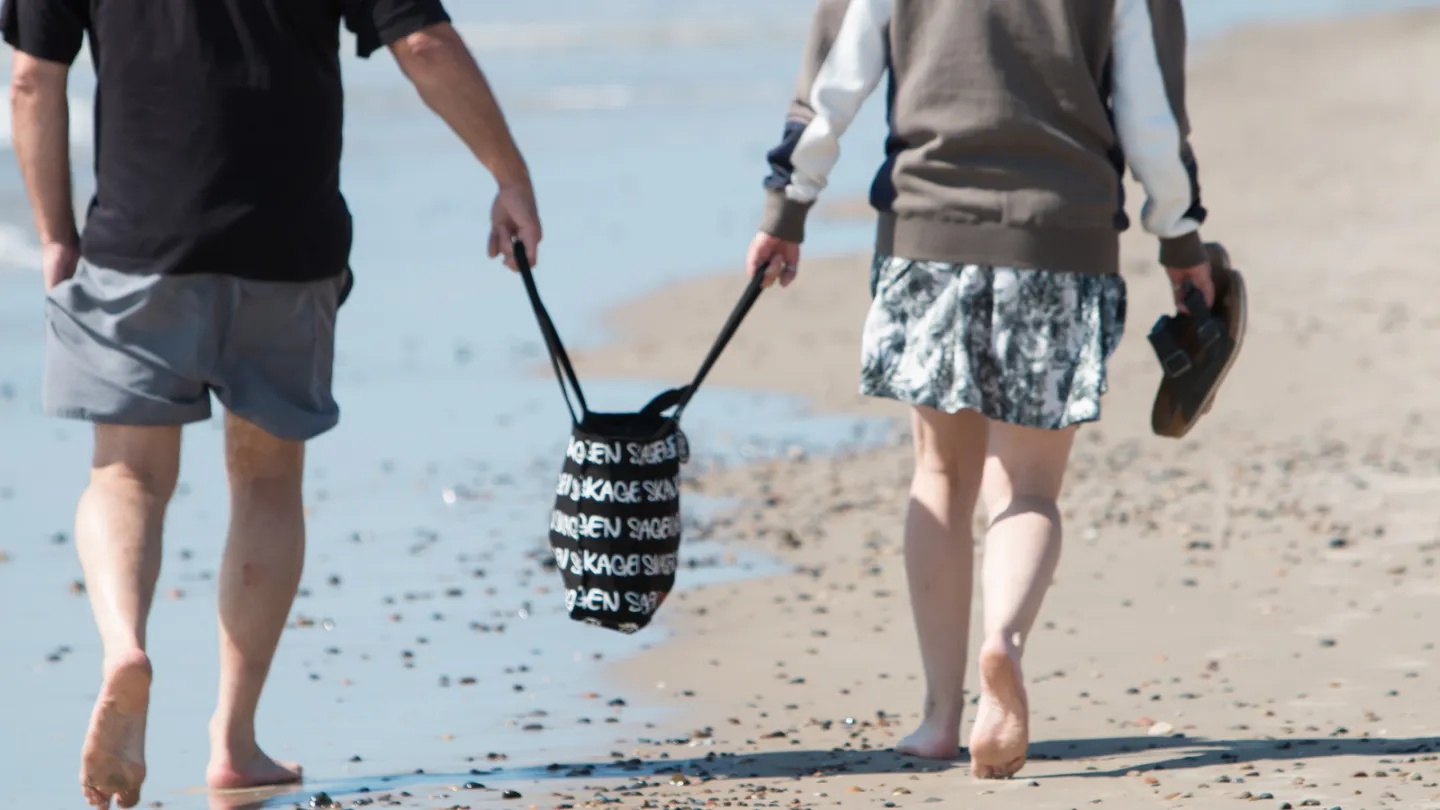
{"points": [[1025, 347]]}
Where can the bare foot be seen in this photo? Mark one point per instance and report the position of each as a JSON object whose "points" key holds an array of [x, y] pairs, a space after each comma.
{"points": [[113, 760], [1002, 726], [255, 771], [933, 740]]}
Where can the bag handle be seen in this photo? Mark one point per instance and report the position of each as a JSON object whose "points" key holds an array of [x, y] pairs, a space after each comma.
{"points": [[664, 402], [732, 325], [564, 371], [677, 398]]}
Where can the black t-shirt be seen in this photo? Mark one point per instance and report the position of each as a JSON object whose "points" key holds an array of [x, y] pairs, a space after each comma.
{"points": [[217, 126]]}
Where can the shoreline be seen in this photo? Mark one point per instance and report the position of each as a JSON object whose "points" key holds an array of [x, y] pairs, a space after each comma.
{"points": [[1217, 544], [833, 519]]}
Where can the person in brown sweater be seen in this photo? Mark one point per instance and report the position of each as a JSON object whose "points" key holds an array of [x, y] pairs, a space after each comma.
{"points": [[997, 294]]}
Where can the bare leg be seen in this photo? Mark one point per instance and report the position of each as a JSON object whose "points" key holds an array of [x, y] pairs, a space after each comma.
{"points": [[118, 534], [1023, 476], [264, 556], [939, 561]]}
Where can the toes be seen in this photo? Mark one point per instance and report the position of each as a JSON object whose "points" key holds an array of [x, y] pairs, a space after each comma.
{"points": [[129, 798]]}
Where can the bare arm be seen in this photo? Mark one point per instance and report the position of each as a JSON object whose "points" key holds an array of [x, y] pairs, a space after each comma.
{"points": [[41, 131], [438, 63]]}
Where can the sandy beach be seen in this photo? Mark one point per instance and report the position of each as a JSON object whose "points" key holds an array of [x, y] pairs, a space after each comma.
{"points": [[1243, 615]]}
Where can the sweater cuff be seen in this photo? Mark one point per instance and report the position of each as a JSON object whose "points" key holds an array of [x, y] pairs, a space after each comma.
{"points": [[1183, 252], [784, 218]]}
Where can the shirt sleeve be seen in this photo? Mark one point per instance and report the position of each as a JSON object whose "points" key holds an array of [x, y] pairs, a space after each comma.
{"points": [[845, 58], [52, 30], [378, 23], [1148, 100]]}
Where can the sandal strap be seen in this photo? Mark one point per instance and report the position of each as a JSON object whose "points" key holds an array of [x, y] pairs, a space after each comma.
{"points": [[1174, 360]]}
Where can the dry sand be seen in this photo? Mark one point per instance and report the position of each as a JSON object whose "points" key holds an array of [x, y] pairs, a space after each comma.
{"points": [[1244, 615]]}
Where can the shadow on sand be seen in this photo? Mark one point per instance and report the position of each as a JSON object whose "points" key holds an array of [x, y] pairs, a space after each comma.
{"points": [[1141, 754]]}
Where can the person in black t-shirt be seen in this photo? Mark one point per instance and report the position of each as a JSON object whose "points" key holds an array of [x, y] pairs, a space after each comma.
{"points": [[213, 259]]}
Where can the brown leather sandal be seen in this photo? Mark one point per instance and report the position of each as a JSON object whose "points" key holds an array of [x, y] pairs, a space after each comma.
{"points": [[1197, 350]]}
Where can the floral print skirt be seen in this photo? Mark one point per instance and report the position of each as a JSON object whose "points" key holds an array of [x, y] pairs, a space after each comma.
{"points": [[1025, 347]]}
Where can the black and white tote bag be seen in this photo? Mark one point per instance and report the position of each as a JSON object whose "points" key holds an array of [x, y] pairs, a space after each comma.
{"points": [[615, 527]]}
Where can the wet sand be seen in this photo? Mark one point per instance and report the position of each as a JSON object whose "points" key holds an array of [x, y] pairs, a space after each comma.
{"points": [[1264, 590], [1244, 615]]}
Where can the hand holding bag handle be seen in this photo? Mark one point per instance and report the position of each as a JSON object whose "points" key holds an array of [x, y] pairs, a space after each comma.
{"points": [[564, 371]]}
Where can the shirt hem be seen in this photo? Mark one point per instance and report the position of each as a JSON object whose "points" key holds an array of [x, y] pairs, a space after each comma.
{"points": [[1094, 251], [149, 267]]}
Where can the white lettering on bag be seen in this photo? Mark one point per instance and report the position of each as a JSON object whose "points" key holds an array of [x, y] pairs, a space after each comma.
{"points": [[568, 487], [657, 452], [661, 491], [660, 528], [615, 565], [602, 490], [592, 599], [583, 452], [656, 565], [644, 603], [582, 525]]}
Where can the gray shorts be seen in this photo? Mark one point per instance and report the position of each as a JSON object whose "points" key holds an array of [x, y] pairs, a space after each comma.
{"points": [[135, 349]]}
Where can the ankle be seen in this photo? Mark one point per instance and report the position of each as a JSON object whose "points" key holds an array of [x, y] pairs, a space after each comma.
{"points": [[1001, 645], [946, 713], [234, 756], [128, 657], [231, 745]]}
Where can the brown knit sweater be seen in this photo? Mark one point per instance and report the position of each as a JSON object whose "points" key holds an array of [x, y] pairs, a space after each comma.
{"points": [[1012, 122]]}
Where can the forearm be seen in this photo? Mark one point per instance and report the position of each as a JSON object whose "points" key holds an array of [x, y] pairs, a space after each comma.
{"points": [[449, 81], [845, 58], [41, 134]]}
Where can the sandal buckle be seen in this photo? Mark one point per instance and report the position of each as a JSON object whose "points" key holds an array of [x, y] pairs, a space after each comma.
{"points": [[1177, 363]]}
